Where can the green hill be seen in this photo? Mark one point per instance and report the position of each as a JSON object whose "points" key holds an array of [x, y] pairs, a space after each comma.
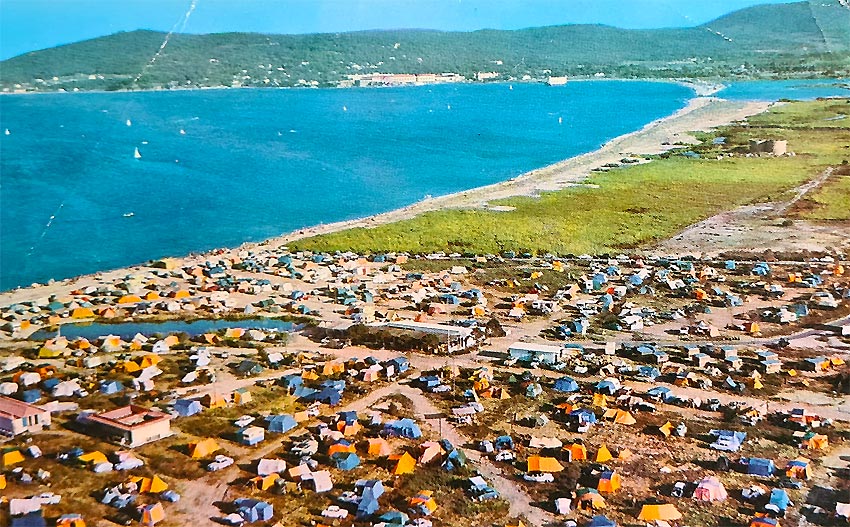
{"points": [[798, 39]]}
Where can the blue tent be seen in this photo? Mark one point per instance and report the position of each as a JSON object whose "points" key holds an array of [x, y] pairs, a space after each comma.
{"points": [[50, 383], [635, 280], [280, 423], [779, 499], [403, 428], [583, 416], [187, 407], [394, 518], [759, 466], [349, 417], [32, 519], [601, 521], [455, 459], [401, 364], [429, 381], [346, 460], [110, 387], [504, 443], [302, 392], [607, 387], [326, 395], [254, 510], [333, 385], [566, 384]]}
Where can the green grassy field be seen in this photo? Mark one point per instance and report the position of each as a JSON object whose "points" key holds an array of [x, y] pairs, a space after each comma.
{"points": [[633, 206], [831, 202]]}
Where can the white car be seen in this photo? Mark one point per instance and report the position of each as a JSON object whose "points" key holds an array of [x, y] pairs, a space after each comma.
{"points": [[244, 421], [539, 477], [221, 462], [335, 511], [233, 519], [505, 455], [49, 498]]}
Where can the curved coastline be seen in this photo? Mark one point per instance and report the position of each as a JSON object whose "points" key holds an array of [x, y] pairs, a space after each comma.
{"points": [[699, 113]]}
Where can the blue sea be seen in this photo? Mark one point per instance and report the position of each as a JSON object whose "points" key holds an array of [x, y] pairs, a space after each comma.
{"points": [[222, 167]]}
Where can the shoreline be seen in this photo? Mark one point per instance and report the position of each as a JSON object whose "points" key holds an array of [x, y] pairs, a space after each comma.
{"points": [[698, 114]]}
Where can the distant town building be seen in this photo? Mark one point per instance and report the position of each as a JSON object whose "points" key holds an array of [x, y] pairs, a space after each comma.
{"points": [[556, 81]]}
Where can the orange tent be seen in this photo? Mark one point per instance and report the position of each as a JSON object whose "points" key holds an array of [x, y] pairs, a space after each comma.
{"points": [[96, 457], [214, 400], [234, 333], [423, 501], [152, 514], [129, 299], [340, 447], [609, 482], [600, 400], [603, 455], [82, 312], [666, 429], [70, 520], [332, 367], [662, 511], [379, 447], [153, 485], [405, 464], [544, 464], [816, 442], [621, 417], [153, 295], [11, 457], [182, 293], [265, 482], [309, 375], [578, 452], [2, 481], [203, 448]]}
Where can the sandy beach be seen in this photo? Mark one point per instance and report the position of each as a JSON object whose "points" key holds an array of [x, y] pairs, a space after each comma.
{"points": [[700, 114]]}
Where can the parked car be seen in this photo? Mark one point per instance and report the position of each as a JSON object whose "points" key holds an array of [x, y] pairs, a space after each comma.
{"points": [[334, 511], [220, 462], [539, 477], [505, 455]]}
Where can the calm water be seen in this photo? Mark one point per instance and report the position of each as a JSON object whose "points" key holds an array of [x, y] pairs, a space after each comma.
{"points": [[253, 164], [127, 330], [803, 89]]}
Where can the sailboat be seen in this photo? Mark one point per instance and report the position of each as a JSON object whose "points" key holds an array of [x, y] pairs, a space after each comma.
{"points": [[129, 122], [182, 132], [136, 154], [344, 108], [8, 132], [560, 120], [129, 214]]}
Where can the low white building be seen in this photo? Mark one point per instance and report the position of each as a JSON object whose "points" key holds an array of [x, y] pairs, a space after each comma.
{"points": [[544, 353], [452, 338], [18, 417]]}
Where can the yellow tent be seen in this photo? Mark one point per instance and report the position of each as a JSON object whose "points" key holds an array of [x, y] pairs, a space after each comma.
{"points": [[405, 464], [203, 448], [603, 455], [153, 295], [666, 429], [816, 442], [663, 512], [82, 312], [265, 482], [309, 375], [234, 333], [153, 485], [182, 293], [214, 400], [95, 457], [600, 400], [129, 299], [332, 367], [2, 481], [242, 396], [757, 385], [544, 464], [620, 416], [131, 367], [12, 457]]}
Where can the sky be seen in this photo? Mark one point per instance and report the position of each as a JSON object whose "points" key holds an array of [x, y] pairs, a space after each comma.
{"points": [[27, 25]]}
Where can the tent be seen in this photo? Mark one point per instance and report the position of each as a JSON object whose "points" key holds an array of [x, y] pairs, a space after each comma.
{"points": [[203, 448], [11, 456], [423, 503], [254, 510], [609, 481], [30, 519], [153, 485], [798, 468], [764, 522], [187, 407], [110, 387], [663, 511], [152, 514], [265, 482], [379, 447], [340, 447], [779, 500], [270, 466], [759, 466], [666, 429], [430, 451], [710, 489], [815, 442], [600, 400], [70, 520], [346, 460], [394, 518], [578, 452], [620, 416], [95, 457], [544, 464], [405, 463], [402, 428], [590, 499], [603, 455], [566, 384], [280, 423]]}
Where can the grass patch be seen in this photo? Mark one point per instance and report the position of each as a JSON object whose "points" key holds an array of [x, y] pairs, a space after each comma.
{"points": [[633, 206], [636, 205], [831, 202]]}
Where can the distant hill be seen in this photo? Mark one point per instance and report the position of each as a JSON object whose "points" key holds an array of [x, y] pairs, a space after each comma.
{"points": [[800, 39]]}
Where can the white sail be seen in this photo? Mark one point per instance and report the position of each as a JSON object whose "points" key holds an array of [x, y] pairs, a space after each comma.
{"points": [[8, 132], [136, 154], [129, 122]]}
